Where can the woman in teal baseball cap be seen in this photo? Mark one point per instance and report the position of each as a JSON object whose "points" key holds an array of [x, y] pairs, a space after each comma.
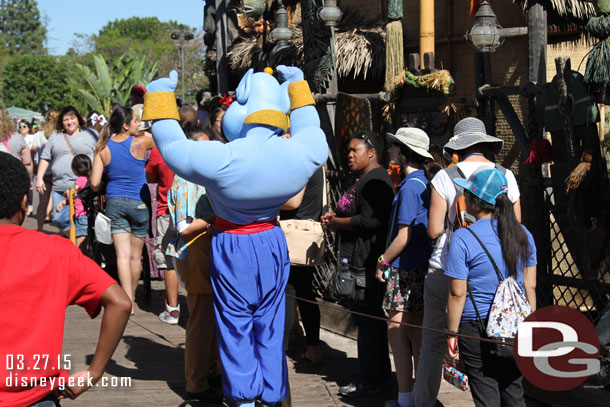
{"points": [[494, 380]]}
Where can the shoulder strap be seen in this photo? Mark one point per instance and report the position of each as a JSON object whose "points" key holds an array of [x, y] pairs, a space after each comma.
{"points": [[493, 262], [68, 143], [500, 168], [93, 133], [474, 304], [324, 191], [453, 172], [395, 210], [420, 181]]}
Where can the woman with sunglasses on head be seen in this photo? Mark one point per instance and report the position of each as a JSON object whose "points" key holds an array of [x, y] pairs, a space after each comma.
{"points": [[361, 221], [70, 139], [121, 152], [473, 280]]}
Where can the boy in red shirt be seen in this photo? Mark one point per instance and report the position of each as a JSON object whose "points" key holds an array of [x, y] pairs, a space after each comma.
{"points": [[32, 368]]}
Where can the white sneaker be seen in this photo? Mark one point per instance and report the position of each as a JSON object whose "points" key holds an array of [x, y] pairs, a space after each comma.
{"points": [[171, 315]]}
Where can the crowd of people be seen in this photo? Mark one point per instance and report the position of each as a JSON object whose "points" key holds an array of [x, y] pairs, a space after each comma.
{"points": [[406, 242]]}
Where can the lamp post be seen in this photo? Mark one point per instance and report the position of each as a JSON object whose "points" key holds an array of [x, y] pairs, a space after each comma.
{"points": [[281, 34], [183, 35], [330, 14], [485, 36]]}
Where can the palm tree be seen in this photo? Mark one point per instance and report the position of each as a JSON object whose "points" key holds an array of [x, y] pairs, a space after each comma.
{"points": [[108, 85]]}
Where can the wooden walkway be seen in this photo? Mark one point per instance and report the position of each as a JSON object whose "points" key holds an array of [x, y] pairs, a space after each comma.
{"points": [[151, 355]]}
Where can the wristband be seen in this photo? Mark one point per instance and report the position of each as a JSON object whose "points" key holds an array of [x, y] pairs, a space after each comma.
{"points": [[454, 349], [382, 261], [160, 105], [300, 95]]}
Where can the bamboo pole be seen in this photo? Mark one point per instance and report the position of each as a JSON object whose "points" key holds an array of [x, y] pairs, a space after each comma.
{"points": [[426, 28], [72, 224]]}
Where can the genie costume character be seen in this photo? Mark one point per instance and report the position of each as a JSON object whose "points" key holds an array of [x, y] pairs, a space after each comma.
{"points": [[247, 181]]}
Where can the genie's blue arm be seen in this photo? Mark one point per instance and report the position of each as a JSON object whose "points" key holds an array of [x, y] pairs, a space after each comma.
{"points": [[305, 130], [305, 124], [195, 161]]}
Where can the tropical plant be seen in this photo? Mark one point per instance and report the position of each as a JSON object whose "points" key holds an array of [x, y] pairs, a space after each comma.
{"points": [[108, 85]]}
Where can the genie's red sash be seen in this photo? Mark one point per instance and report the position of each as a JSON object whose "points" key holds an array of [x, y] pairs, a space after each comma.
{"points": [[255, 227]]}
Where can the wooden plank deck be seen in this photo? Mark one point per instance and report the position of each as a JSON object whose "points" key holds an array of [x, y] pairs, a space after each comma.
{"points": [[151, 354]]}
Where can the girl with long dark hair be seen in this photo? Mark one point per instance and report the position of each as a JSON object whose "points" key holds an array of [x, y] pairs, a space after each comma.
{"points": [[404, 264], [494, 380], [121, 152]]}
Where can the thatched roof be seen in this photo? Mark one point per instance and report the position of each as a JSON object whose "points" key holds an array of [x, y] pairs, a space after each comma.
{"points": [[580, 9], [359, 47]]}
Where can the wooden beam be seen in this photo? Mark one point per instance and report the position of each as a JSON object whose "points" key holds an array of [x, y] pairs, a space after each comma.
{"points": [[331, 97], [537, 43], [222, 67], [513, 121], [525, 89]]}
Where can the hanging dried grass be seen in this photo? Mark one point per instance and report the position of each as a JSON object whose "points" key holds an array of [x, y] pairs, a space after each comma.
{"points": [[579, 173], [394, 53], [581, 9], [359, 46]]}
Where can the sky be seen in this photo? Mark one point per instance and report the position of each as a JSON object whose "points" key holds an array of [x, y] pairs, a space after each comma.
{"points": [[66, 17]]}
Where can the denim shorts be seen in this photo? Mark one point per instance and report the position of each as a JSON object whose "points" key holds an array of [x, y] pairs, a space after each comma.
{"points": [[61, 219], [81, 225], [127, 216]]}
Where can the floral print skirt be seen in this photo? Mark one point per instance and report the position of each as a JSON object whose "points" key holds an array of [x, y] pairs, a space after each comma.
{"points": [[405, 290]]}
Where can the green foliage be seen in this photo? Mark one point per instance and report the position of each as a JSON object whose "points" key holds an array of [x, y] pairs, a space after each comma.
{"points": [[111, 84], [21, 29], [152, 38], [146, 35], [36, 82]]}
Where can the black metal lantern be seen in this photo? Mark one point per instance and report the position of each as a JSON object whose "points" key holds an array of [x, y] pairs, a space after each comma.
{"points": [[486, 34], [330, 13], [281, 31]]}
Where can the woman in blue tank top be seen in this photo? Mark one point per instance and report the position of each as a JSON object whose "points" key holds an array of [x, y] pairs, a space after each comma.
{"points": [[120, 152]]}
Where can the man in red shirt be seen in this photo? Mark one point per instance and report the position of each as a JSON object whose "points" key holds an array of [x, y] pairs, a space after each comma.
{"points": [[33, 372], [158, 172]]}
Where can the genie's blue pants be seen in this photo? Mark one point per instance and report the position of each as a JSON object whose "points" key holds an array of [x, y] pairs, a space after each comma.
{"points": [[249, 275]]}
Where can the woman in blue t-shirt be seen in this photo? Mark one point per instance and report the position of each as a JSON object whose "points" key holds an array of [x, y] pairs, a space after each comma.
{"points": [[120, 153], [495, 381], [405, 260]]}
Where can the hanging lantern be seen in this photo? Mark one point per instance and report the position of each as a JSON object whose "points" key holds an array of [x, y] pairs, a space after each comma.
{"points": [[485, 35], [281, 31], [330, 13]]}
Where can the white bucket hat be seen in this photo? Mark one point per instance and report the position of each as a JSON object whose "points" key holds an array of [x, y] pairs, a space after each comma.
{"points": [[468, 132], [414, 138]]}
